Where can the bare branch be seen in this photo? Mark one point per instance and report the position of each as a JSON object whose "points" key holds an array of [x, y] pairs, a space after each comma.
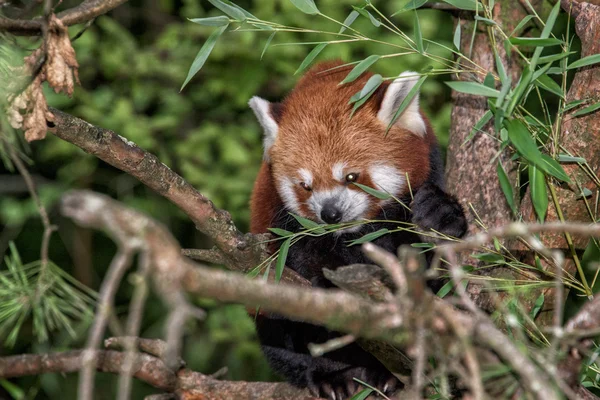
{"points": [[84, 12]]}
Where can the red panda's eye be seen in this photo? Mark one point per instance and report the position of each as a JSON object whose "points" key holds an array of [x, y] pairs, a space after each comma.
{"points": [[305, 186], [351, 177]]}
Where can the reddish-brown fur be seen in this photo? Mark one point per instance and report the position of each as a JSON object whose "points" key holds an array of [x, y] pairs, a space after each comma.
{"points": [[315, 131]]}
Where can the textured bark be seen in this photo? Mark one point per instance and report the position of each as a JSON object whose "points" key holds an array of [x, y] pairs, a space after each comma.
{"points": [[579, 136], [471, 173]]}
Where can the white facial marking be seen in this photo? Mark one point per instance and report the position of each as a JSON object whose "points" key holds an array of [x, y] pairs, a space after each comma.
{"points": [[306, 176], [352, 203], [288, 195], [410, 118], [262, 110], [387, 178], [338, 171]]}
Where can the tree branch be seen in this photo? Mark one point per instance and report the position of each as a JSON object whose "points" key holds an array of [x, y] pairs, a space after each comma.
{"points": [[86, 11]]}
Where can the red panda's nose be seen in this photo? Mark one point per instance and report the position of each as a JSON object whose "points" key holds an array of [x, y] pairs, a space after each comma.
{"points": [[331, 214]]}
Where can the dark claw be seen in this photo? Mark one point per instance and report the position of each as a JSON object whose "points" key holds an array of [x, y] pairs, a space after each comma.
{"points": [[342, 386]]}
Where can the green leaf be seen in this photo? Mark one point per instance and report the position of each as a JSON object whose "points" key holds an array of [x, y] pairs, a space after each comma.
{"points": [[473, 88], [267, 44], [444, 290], [565, 158], [585, 61], [479, 125], [470, 5], [306, 6], [418, 33], [554, 57], [573, 104], [545, 35], [539, 194], [547, 83], [486, 21], [521, 24], [281, 258], [349, 21], [281, 232], [15, 392], [367, 14], [204, 53], [369, 237], [456, 40], [406, 101], [233, 12], [525, 41], [362, 395], [523, 141], [490, 258], [211, 21], [309, 224], [587, 110], [552, 167], [506, 187], [365, 93], [537, 307], [411, 5], [519, 90], [422, 245], [585, 193], [360, 68], [374, 192], [489, 81], [310, 57], [500, 68]]}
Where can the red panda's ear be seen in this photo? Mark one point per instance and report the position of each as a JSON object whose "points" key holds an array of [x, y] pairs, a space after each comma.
{"points": [[268, 115], [395, 93]]}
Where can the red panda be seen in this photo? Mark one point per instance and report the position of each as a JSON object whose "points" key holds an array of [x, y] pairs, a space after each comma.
{"points": [[314, 152]]}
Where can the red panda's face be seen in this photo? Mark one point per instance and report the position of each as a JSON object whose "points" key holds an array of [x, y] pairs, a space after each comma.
{"points": [[317, 151], [329, 194]]}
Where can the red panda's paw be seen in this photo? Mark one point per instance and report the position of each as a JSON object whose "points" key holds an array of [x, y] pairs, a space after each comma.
{"points": [[434, 209], [342, 384]]}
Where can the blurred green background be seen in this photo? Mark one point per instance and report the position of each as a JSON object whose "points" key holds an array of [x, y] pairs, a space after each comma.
{"points": [[133, 62]]}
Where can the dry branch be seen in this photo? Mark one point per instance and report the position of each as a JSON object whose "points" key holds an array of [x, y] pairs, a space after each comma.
{"points": [[86, 11]]}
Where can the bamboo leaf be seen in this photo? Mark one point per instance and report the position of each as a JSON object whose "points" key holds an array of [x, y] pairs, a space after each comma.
{"points": [[406, 101], [349, 20], [525, 41], [211, 21], [308, 224], [587, 110], [281, 232], [506, 187], [523, 141], [537, 307], [369, 237], [362, 395], [367, 14], [366, 92], [267, 44], [456, 40], [473, 88], [521, 24], [538, 192], [374, 192], [547, 83], [310, 57], [545, 35], [411, 5], [565, 158], [360, 68], [552, 167], [281, 258], [418, 34], [204, 53], [233, 12], [555, 57], [306, 6], [585, 61], [470, 5]]}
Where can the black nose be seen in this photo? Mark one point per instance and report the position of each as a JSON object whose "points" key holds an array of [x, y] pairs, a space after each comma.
{"points": [[331, 215]]}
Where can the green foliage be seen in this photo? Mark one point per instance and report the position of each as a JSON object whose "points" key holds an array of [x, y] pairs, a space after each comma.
{"points": [[43, 293]]}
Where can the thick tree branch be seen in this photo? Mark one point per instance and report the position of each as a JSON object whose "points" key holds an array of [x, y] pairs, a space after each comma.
{"points": [[185, 383], [86, 11]]}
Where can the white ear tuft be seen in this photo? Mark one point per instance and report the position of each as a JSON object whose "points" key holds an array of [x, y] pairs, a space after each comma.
{"points": [[396, 92], [262, 110]]}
